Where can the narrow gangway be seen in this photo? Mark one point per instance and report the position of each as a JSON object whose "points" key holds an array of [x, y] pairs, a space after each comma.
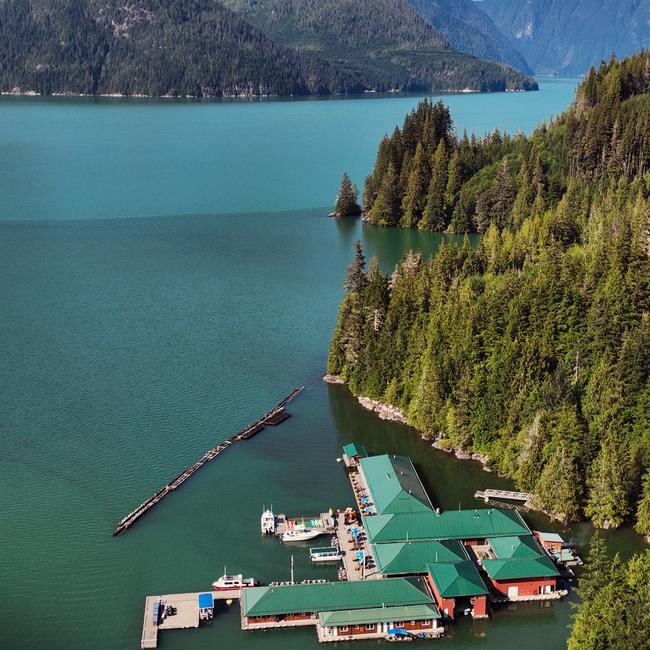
{"points": [[276, 415]]}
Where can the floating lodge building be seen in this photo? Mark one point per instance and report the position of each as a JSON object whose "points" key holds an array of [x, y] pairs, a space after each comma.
{"points": [[430, 565]]}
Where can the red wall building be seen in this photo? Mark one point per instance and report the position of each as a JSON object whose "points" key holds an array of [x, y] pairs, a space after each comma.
{"points": [[525, 587]]}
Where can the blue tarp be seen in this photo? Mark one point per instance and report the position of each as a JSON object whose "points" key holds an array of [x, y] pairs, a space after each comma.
{"points": [[205, 601]]}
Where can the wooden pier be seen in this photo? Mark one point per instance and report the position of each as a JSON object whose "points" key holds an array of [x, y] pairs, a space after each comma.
{"points": [[273, 417]]}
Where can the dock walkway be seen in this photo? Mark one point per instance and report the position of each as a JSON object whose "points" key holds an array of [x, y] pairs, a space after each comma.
{"points": [[273, 417], [503, 494]]}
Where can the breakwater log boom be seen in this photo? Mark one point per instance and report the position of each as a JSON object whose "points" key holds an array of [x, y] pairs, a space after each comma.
{"points": [[273, 417]]}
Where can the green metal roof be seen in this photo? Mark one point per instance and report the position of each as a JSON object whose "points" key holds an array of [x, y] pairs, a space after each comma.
{"points": [[453, 524], [514, 569], [412, 557], [353, 449], [333, 596], [522, 547], [379, 615], [394, 484], [454, 579]]}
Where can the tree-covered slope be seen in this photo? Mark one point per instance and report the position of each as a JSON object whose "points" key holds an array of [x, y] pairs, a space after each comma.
{"points": [[566, 37], [470, 30], [614, 608], [152, 47], [534, 347], [385, 43]]}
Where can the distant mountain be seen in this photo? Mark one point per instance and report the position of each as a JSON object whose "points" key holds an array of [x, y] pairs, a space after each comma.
{"points": [[203, 48], [470, 30], [566, 37], [151, 47], [386, 43]]}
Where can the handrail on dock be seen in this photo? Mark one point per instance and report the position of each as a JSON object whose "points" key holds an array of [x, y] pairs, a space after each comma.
{"points": [[503, 494], [209, 455]]}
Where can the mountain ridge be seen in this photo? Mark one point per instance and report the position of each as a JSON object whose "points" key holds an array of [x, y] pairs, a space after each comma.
{"points": [[387, 43], [470, 30], [201, 48], [566, 37]]}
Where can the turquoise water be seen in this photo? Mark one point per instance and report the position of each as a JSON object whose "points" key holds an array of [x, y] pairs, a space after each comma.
{"points": [[131, 345], [84, 158]]}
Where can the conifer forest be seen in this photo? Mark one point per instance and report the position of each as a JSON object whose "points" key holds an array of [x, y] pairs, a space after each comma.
{"points": [[531, 343]]}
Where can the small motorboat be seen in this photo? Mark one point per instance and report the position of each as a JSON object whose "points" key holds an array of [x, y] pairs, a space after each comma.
{"points": [[300, 534], [226, 582], [325, 554]]}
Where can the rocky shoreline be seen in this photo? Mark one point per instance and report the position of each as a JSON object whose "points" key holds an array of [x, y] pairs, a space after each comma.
{"points": [[394, 414]]}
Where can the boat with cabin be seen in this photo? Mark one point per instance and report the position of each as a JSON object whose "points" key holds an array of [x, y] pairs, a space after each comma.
{"points": [[267, 523], [325, 554], [226, 582]]}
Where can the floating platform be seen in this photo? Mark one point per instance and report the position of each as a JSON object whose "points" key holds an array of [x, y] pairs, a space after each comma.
{"points": [[323, 523], [276, 419], [187, 613], [273, 417]]}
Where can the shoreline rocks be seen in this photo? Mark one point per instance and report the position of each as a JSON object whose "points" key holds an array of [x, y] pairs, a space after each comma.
{"points": [[384, 411], [462, 454], [333, 379]]}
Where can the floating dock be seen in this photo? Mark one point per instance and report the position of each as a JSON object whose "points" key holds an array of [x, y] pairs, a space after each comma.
{"points": [[273, 417], [323, 523], [187, 613]]}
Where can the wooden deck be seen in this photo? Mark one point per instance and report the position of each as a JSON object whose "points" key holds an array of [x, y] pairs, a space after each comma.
{"points": [[187, 613], [273, 417]]}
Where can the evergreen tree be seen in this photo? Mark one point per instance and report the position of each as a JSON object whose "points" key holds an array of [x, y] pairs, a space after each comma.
{"points": [[608, 485], [346, 200], [454, 182], [356, 279], [416, 187], [596, 572], [386, 208], [558, 488], [434, 214], [503, 194], [643, 508], [525, 195]]}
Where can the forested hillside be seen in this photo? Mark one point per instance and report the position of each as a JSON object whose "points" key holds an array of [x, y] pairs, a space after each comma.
{"points": [[202, 48], [614, 608], [566, 37], [470, 30], [385, 43], [151, 47], [534, 347]]}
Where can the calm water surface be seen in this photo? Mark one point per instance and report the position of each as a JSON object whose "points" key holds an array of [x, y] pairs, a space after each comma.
{"points": [[166, 275]]}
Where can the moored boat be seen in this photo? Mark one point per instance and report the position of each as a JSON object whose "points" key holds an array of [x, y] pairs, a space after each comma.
{"points": [[226, 582], [300, 534], [267, 522], [325, 554]]}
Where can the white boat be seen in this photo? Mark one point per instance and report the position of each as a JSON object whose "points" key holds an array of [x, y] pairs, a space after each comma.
{"points": [[226, 582], [267, 522], [300, 534], [325, 554]]}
